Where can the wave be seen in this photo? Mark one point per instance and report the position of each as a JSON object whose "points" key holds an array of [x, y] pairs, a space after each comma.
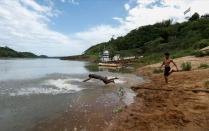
{"points": [[53, 86]]}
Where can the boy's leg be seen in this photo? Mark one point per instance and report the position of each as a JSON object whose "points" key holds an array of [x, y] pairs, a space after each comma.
{"points": [[166, 79], [172, 70]]}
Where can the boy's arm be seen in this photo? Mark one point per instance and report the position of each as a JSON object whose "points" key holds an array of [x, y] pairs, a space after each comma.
{"points": [[162, 64], [175, 65], [87, 79], [113, 78]]}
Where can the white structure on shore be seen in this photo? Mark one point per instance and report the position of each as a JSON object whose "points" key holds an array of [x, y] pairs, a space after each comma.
{"points": [[105, 57], [116, 57]]}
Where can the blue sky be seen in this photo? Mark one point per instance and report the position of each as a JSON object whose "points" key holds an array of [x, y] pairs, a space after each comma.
{"points": [[75, 18], [69, 27]]}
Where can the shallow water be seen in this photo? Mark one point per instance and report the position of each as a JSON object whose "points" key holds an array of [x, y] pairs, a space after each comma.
{"points": [[35, 90]]}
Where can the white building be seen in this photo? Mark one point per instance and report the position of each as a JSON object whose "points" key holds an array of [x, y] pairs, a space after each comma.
{"points": [[116, 57], [105, 57]]}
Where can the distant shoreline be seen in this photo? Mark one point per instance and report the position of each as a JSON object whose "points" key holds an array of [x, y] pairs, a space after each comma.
{"points": [[7, 58], [80, 58]]}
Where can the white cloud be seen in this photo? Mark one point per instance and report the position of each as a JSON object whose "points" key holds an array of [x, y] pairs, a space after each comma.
{"points": [[144, 3], [24, 24], [99, 33], [35, 6], [120, 20], [27, 29], [145, 12], [127, 6], [74, 2]]}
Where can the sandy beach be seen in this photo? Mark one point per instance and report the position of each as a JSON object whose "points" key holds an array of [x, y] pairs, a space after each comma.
{"points": [[181, 105]]}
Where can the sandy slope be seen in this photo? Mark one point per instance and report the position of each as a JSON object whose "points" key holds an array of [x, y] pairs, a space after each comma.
{"points": [[172, 109], [195, 61]]}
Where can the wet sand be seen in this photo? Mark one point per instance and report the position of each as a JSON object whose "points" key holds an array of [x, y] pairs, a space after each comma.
{"points": [[87, 117], [172, 107]]}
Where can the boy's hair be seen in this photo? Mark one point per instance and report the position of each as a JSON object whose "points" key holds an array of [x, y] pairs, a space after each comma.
{"points": [[166, 54]]}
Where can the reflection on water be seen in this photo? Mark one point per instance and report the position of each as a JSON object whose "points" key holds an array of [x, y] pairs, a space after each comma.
{"points": [[13, 69], [33, 90], [93, 67]]}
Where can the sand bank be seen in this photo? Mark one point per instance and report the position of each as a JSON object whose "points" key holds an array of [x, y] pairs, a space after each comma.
{"points": [[172, 107]]}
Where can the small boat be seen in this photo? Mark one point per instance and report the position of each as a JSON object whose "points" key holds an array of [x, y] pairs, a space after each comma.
{"points": [[109, 64]]}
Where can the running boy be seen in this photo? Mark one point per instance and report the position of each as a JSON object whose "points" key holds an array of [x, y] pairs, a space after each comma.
{"points": [[166, 64]]}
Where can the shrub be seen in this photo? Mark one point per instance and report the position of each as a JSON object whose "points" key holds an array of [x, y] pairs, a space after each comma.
{"points": [[157, 71], [201, 44], [117, 109], [207, 53], [203, 66], [186, 66], [199, 53], [207, 84]]}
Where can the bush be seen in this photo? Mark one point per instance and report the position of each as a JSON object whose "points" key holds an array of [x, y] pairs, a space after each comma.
{"points": [[203, 66], [199, 53], [117, 109], [157, 71], [207, 53], [201, 44], [186, 66], [207, 84]]}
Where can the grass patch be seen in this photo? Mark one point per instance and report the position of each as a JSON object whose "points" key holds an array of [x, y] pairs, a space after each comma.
{"points": [[203, 66], [207, 84], [182, 53], [199, 53], [117, 109], [186, 66], [157, 71]]}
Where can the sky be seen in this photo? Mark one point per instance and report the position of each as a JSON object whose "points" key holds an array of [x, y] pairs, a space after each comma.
{"points": [[69, 27]]}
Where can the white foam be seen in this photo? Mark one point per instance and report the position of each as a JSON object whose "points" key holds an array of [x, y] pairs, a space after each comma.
{"points": [[63, 84], [30, 91], [58, 86], [118, 81], [74, 79]]}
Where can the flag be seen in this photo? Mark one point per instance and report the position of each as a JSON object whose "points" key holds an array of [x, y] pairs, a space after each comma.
{"points": [[186, 11]]}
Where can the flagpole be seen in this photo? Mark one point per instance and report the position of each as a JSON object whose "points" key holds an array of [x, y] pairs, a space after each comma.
{"points": [[190, 12]]}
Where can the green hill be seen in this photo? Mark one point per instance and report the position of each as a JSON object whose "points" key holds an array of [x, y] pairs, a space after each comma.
{"points": [[7, 52], [152, 40]]}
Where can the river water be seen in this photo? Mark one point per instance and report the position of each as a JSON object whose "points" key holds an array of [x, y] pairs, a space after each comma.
{"points": [[33, 91]]}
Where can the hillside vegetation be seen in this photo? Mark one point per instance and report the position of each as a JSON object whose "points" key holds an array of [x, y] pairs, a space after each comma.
{"points": [[151, 41], [7, 52]]}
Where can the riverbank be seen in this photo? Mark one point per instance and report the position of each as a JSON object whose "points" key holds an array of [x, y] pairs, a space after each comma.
{"points": [[175, 106], [89, 58]]}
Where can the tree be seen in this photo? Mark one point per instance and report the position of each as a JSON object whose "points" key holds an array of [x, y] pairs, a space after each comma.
{"points": [[165, 34], [195, 16], [205, 16]]}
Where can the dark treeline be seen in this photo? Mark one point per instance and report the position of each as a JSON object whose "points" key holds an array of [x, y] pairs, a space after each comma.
{"points": [[8, 52]]}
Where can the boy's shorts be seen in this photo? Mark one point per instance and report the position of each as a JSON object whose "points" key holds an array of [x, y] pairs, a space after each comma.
{"points": [[167, 71]]}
